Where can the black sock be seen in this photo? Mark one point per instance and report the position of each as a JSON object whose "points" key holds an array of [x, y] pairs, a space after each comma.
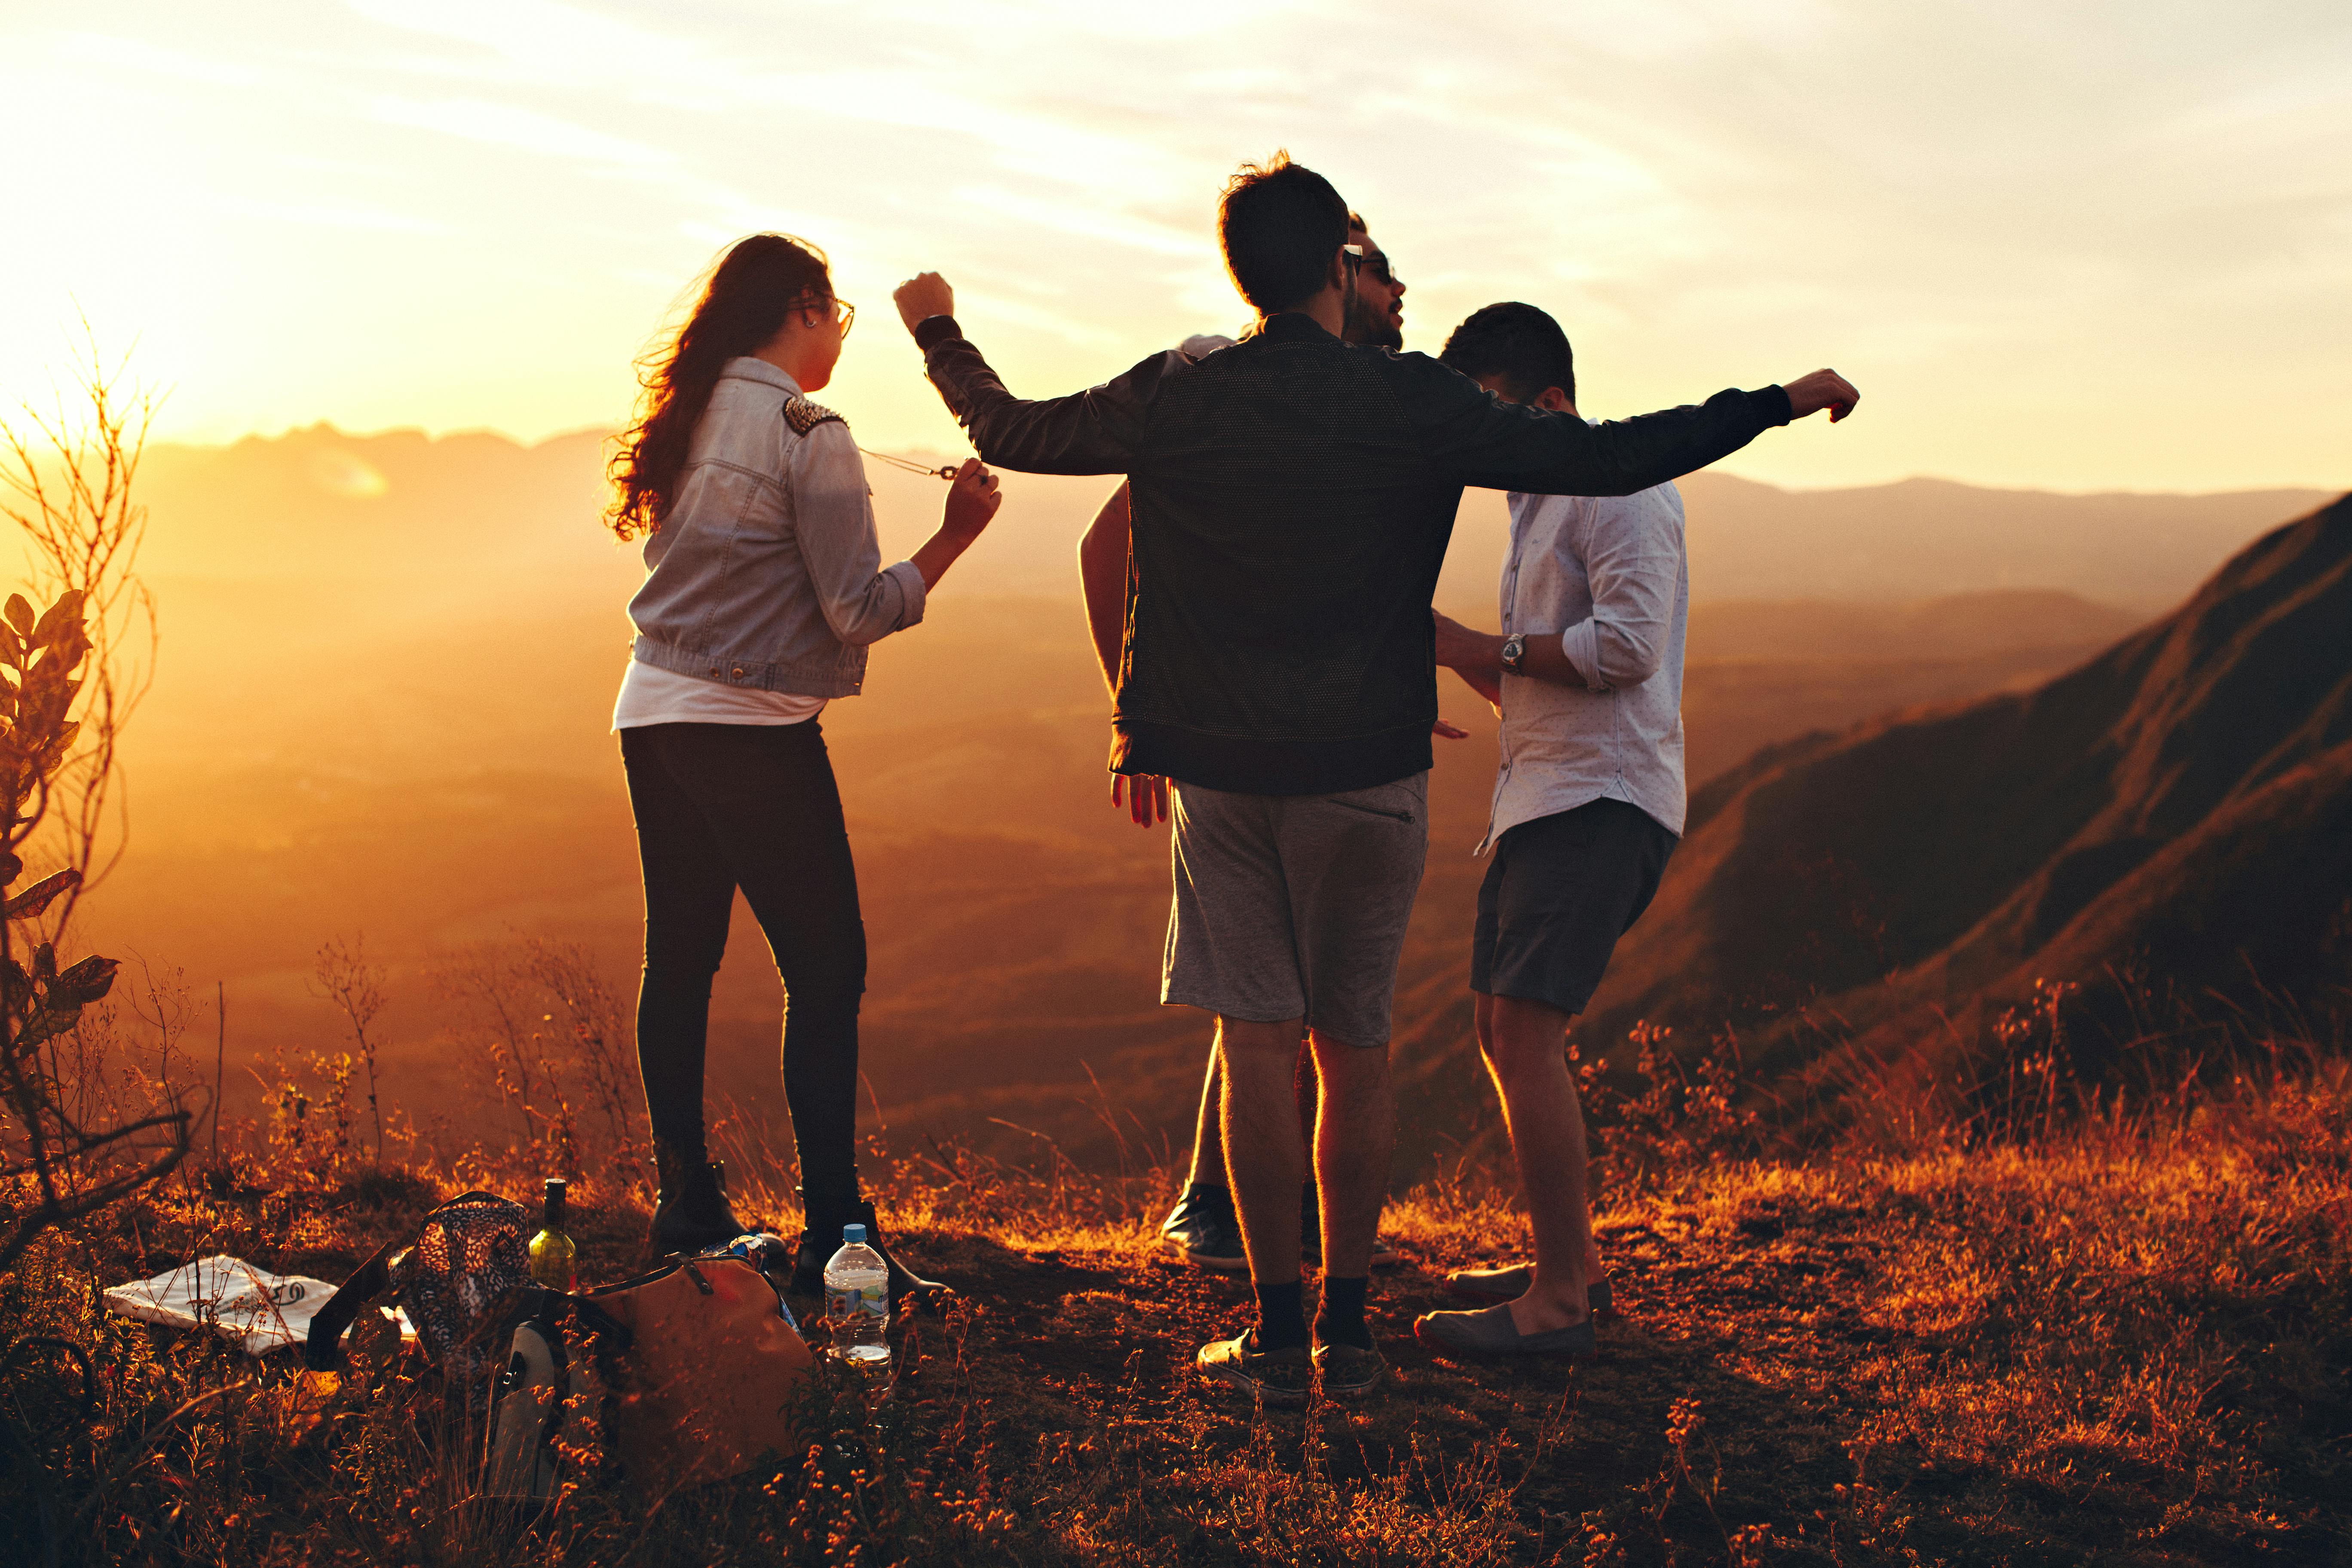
{"points": [[1341, 1321], [1282, 1317]]}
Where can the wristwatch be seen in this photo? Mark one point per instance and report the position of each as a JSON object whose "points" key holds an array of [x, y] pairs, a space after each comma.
{"points": [[1515, 648]]}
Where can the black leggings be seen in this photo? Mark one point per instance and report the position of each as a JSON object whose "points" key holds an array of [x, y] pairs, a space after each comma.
{"points": [[722, 806]]}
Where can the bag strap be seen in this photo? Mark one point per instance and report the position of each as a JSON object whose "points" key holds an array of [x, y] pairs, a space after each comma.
{"points": [[322, 1347], [477, 1195]]}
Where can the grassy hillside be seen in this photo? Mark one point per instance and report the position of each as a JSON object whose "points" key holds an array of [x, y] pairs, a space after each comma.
{"points": [[2118, 1336], [2172, 820]]}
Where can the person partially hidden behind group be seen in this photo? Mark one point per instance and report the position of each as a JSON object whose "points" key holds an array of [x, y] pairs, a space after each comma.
{"points": [[1292, 497], [764, 587]]}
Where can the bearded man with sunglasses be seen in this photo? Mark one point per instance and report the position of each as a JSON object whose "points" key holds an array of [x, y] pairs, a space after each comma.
{"points": [[1292, 499]]}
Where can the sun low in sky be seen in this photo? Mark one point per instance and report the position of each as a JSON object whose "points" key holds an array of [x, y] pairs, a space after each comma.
{"points": [[2081, 247]]}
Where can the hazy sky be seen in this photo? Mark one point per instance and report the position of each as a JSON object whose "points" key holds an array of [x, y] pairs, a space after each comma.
{"points": [[2080, 245]]}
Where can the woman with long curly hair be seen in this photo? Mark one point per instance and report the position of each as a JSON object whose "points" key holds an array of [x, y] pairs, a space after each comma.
{"points": [[764, 588]]}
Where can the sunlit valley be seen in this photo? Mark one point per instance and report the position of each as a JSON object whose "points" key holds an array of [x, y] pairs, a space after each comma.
{"points": [[386, 681]]}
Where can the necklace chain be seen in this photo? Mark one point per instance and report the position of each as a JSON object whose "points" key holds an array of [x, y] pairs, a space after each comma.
{"points": [[911, 467]]}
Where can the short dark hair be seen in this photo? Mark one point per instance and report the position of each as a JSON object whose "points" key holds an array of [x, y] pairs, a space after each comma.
{"points": [[1516, 344], [1280, 222]]}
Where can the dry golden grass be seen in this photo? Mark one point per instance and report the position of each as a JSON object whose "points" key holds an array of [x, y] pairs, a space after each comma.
{"points": [[2118, 1340]]}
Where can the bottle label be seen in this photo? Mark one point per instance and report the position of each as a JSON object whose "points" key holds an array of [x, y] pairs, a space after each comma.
{"points": [[868, 1302]]}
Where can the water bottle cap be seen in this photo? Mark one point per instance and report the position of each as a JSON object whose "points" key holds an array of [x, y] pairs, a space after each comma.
{"points": [[852, 1236]]}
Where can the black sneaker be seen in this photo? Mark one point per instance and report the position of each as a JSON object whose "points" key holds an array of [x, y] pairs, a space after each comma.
{"points": [[1203, 1227], [1274, 1377], [1348, 1371]]}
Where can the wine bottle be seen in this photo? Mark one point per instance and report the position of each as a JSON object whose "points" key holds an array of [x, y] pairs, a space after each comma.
{"points": [[552, 1255]]}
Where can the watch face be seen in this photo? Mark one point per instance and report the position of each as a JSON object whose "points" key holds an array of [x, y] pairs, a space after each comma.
{"points": [[1514, 649]]}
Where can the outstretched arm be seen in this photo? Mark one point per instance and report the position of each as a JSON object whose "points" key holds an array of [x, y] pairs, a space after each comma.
{"points": [[1090, 432], [1470, 434]]}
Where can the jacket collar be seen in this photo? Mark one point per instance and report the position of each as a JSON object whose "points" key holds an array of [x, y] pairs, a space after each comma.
{"points": [[1295, 327], [749, 367]]}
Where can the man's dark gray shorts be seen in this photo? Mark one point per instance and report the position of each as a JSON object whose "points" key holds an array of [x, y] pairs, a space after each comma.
{"points": [[1561, 890], [1295, 906]]}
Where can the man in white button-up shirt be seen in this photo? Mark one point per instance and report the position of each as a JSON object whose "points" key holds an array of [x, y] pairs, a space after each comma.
{"points": [[1587, 674]]}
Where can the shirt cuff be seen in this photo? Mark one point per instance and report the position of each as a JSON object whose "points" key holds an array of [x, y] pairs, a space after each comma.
{"points": [[1771, 405], [911, 591], [1583, 649], [933, 331]]}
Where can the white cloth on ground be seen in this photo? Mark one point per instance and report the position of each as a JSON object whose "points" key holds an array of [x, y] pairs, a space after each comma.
{"points": [[261, 1311]]}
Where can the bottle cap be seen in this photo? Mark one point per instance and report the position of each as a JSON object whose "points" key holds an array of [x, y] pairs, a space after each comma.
{"points": [[852, 1236]]}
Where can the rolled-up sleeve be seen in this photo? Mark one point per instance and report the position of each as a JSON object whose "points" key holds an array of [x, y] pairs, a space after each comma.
{"points": [[832, 514], [1633, 553]]}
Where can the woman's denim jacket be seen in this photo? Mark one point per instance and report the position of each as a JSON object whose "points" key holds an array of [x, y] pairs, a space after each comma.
{"points": [[767, 572]]}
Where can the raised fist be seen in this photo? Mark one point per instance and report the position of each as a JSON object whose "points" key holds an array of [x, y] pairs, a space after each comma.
{"points": [[923, 296], [1822, 389]]}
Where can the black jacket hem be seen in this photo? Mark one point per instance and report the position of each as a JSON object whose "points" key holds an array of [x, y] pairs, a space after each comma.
{"points": [[1269, 767]]}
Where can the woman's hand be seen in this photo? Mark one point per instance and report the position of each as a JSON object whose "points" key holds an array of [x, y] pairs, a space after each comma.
{"points": [[923, 296], [972, 499]]}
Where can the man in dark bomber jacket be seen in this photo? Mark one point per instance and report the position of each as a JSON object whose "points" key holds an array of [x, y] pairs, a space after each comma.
{"points": [[1292, 497]]}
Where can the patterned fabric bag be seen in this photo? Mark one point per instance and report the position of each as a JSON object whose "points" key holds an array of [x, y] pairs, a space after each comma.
{"points": [[460, 1281]]}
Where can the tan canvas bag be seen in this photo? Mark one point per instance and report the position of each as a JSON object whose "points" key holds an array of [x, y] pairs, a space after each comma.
{"points": [[710, 1377]]}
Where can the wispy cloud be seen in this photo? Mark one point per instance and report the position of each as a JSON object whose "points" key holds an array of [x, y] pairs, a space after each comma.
{"points": [[2137, 211], [523, 130]]}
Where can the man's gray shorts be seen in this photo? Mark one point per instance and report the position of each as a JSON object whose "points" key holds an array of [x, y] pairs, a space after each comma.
{"points": [[1295, 906]]}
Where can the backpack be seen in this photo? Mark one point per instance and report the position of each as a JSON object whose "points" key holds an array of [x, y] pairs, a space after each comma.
{"points": [[459, 1282]]}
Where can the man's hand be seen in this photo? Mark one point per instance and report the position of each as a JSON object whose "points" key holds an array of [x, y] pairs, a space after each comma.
{"points": [[926, 294], [1822, 389], [1445, 731], [1146, 801], [972, 499], [1459, 647]]}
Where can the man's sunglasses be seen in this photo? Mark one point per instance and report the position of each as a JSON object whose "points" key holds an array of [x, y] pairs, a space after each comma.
{"points": [[1376, 262]]}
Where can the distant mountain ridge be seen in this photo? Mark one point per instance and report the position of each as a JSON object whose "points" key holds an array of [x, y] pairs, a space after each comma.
{"points": [[1923, 538], [318, 503], [2174, 817]]}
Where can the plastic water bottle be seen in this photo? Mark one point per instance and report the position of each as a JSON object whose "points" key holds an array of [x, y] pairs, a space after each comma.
{"points": [[858, 1303]]}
